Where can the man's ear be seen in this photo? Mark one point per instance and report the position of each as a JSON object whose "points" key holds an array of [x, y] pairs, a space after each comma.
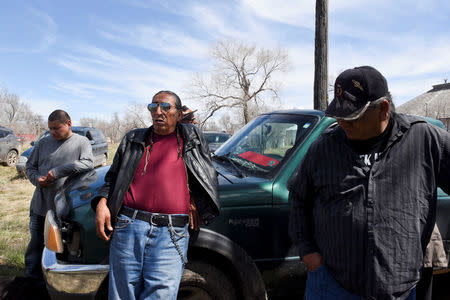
{"points": [[384, 110], [69, 123]]}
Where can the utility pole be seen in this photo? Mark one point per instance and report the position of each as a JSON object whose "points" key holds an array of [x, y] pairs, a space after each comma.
{"points": [[321, 56]]}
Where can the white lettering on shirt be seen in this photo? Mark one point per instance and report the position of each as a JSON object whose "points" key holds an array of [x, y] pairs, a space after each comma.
{"points": [[369, 159]]}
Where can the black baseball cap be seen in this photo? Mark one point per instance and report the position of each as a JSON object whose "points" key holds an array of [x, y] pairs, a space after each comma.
{"points": [[354, 90]]}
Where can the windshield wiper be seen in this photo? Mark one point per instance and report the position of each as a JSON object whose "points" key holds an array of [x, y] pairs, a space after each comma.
{"points": [[228, 159]]}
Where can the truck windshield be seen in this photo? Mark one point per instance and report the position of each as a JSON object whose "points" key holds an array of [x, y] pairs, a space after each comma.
{"points": [[261, 146]]}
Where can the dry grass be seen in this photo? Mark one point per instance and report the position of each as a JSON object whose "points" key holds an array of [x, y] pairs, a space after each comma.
{"points": [[15, 196], [112, 148]]}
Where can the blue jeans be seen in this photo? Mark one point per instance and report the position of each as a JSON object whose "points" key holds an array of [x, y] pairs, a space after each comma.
{"points": [[320, 285], [144, 260], [35, 247]]}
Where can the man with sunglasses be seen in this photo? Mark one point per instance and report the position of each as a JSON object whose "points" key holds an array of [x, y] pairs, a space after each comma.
{"points": [[160, 182], [364, 197]]}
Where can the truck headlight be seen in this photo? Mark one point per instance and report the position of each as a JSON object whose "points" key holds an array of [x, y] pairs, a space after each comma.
{"points": [[52, 234]]}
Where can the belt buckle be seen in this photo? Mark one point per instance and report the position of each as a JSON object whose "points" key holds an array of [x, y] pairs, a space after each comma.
{"points": [[151, 220]]}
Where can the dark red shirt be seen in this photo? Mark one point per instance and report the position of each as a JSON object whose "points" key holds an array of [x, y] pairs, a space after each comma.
{"points": [[162, 188]]}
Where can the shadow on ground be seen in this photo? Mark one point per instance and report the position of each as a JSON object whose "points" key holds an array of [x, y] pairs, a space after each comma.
{"points": [[21, 288]]}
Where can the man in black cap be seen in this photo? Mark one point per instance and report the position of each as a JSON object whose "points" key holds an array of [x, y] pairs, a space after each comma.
{"points": [[364, 198]]}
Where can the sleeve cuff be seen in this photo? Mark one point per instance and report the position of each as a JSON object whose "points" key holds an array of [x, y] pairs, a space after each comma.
{"points": [[307, 249], [55, 173]]}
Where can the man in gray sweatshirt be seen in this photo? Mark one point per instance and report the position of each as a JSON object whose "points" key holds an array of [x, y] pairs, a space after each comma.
{"points": [[53, 159]]}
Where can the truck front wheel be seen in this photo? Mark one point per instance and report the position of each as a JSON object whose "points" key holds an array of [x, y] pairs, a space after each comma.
{"points": [[204, 281]]}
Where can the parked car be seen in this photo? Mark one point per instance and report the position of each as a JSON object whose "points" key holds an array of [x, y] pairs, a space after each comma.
{"points": [[9, 147], [95, 136], [215, 139], [245, 253]]}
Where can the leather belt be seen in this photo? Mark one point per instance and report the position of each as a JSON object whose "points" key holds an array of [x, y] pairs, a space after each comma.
{"points": [[156, 219]]}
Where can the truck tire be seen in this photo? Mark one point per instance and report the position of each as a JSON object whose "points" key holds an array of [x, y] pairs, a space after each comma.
{"points": [[202, 281]]}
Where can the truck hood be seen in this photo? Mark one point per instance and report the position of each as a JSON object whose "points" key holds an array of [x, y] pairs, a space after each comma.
{"points": [[228, 176], [80, 189]]}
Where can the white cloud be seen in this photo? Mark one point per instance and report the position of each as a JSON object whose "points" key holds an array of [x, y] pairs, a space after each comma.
{"points": [[47, 28], [163, 39], [293, 12], [85, 90], [302, 13], [219, 22], [120, 75], [35, 34]]}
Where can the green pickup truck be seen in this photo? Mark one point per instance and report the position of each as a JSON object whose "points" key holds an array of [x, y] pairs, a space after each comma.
{"points": [[245, 253]]}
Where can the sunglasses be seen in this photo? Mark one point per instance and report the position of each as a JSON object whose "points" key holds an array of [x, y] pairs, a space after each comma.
{"points": [[165, 106]]}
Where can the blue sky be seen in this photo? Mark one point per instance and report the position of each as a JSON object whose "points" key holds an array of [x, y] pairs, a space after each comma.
{"points": [[92, 58]]}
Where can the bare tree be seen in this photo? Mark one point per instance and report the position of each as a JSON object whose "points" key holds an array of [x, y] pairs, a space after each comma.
{"points": [[115, 131], [89, 122], [39, 125], [226, 123], [136, 116], [241, 75], [10, 106], [116, 128], [211, 125], [17, 115]]}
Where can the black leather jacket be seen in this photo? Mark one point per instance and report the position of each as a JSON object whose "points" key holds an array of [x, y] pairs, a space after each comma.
{"points": [[202, 176]]}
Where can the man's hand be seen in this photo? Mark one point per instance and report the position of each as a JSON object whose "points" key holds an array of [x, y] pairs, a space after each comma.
{"points": [[102, 220], [194, 218], [43, 182], [47, 180], [50, 177], [312, 260]]}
